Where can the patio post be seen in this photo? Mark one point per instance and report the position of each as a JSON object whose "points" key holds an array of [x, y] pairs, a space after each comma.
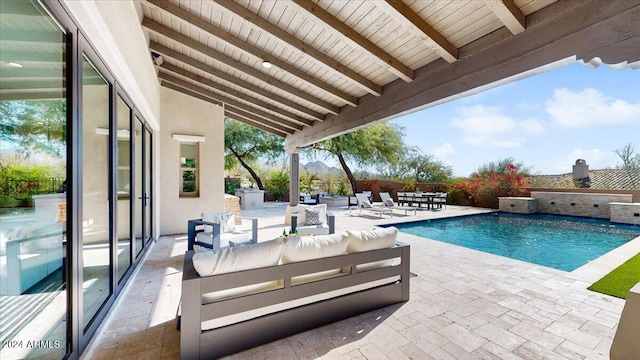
{"points": [[294, 180]]}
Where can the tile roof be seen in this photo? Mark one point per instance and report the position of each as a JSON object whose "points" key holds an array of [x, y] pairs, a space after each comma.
{"points": [[615, 179]]}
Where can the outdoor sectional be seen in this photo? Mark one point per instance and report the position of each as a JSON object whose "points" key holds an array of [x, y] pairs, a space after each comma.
{"points": [[254, 294]]}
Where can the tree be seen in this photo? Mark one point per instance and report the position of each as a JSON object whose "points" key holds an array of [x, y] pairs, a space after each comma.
{"points": [[630, 159], [37, 125], [503, 167], [372, 145], [417, 167], [245, 144]]}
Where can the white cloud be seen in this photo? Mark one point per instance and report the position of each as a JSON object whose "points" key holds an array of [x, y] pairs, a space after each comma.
{"points": [[590, 107], [443, 151], [487, 126], [596, 159]]}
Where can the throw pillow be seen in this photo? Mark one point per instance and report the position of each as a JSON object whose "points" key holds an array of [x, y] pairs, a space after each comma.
{"points": [[301, 213], [389, 202], [367, 204], [312, 217]]}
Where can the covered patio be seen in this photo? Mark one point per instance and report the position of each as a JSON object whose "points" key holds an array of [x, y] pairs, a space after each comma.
{"points": [[464, 304]]}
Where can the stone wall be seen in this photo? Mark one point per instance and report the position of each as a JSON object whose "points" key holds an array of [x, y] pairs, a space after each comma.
{"points": [[625, 213], [594, 205], [232, 205], [519, 205]]}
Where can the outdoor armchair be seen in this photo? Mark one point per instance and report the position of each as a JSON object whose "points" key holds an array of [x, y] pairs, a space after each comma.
{"points": [[216, 230], [313, 219]]}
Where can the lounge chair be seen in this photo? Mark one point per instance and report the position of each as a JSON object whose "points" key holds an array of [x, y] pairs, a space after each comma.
{"points": [[387, 202], [365, 204]]}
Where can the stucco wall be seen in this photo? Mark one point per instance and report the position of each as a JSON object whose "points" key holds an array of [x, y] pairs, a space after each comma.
{"points": [[182, 114], [113, 28]]}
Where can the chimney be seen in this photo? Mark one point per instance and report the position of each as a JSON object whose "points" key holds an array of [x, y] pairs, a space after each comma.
{"points": [[581, 174]]}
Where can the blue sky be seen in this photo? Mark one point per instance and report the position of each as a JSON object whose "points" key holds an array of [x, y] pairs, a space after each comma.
{"points": [[545, 121]]}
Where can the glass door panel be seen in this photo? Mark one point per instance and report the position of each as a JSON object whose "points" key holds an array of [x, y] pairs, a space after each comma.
{"points": [[123, 176], [147, 186], [139, 194], [33, 213], [96, 236]]}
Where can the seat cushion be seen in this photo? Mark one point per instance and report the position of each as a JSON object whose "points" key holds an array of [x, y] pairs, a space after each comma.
{"points": [[225, 238], [322, 229]]}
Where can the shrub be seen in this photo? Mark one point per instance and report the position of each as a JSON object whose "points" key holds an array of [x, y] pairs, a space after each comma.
{"points": [[484, 189], [409, 186], [230, 187], [342, 188], [278, 184]]}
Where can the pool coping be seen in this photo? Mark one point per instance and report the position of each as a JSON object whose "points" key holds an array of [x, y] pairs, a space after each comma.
{"points": [[591, 272]]}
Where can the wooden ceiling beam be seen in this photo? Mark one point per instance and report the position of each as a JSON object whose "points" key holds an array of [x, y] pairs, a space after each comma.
{"points": [[22, 36], [235, 94], [248, 70], [253, 51], [510, 15], [436, 41], [266, 126], [178, 57], [33, 95], [357, 40], [306, 49], [229, 101], [245, 117], [36, 57]]}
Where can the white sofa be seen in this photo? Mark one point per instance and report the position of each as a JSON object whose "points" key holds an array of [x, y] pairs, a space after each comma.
{"points": [[233, 298], [29, 254]]}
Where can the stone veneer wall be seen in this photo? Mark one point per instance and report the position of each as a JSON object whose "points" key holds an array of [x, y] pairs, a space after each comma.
{"points": [[625, 213], [578, 204], [519, 205], [232, 205]]}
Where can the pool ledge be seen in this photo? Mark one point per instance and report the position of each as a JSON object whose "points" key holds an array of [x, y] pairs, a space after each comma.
{"points": [[596, 269]]}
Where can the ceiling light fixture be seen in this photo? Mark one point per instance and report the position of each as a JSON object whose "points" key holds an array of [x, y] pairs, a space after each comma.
{"points": [[266, 64], [14, 64]]}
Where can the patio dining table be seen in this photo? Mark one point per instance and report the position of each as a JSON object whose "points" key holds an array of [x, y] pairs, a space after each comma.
{"points": [[420, 198]]}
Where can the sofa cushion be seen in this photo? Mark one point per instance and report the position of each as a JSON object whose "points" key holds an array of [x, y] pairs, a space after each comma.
{"points": [[371, 239], [232, 259], [225, 219], [296, 249], [322, 208], [382, 238], [225, 238]]}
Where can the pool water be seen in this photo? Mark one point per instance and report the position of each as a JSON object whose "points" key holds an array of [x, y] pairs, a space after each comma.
{"points": [[560, 242]]}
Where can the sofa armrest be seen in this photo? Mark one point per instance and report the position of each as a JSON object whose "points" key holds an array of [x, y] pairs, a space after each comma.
{"points": [[254, 228], [331, 221]]}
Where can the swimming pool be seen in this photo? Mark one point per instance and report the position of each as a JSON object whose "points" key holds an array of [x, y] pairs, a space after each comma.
{"points": [[560, 242]]}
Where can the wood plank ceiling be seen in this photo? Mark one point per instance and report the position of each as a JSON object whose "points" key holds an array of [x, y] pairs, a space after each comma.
{"points": [[323, 55]]}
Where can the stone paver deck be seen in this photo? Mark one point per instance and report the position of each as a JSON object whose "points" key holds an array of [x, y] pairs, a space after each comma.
{"points": [[464, 304]]}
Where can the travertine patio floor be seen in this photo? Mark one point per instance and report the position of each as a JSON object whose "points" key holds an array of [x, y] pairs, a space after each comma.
{"points": [[465, 304]]}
